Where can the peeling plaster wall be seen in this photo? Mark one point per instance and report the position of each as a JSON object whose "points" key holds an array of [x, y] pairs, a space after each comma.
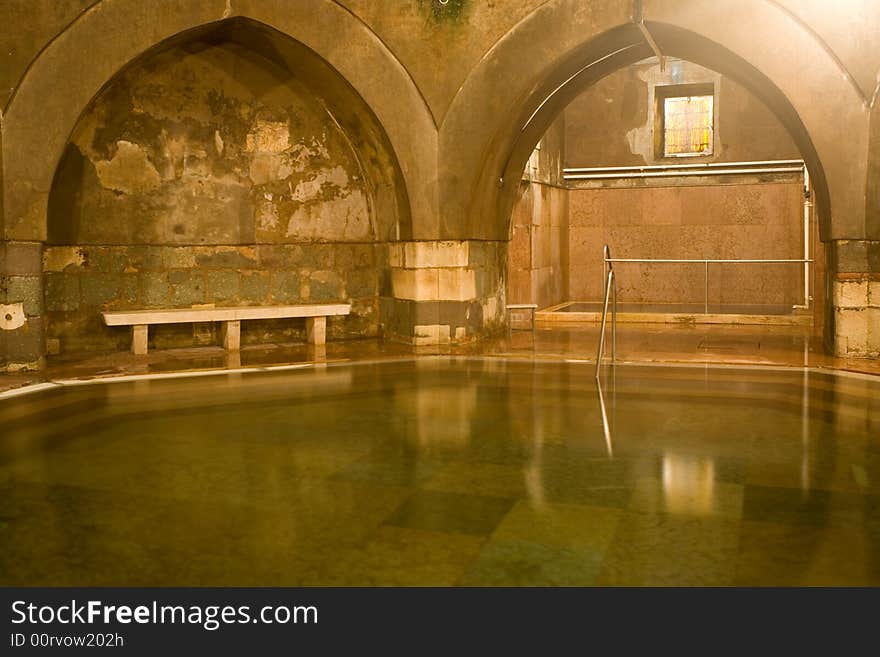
{"points": [[204, 175], [612, 123]]}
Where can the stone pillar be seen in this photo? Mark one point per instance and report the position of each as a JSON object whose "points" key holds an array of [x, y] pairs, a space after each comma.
{"points": [[855, 298], [22, 333], [445, 291]]}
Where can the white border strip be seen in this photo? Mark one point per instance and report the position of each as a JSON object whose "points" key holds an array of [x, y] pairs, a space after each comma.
{"points": [[59, 383], [28, 389]]}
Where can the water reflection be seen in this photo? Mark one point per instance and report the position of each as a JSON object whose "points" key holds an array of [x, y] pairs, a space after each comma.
{"points": [[445, 472], [533, 473], [688, 484], [437, 416], [805, 432], [606, 429]]}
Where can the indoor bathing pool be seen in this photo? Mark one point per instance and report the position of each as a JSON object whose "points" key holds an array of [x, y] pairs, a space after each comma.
{"points": [[445, 471]]}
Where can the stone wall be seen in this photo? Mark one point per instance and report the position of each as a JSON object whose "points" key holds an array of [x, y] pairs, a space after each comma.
{"points": [[854, 326], [612, 124], [22, 337], [206, 175], [82, 281], [445, 291], [538, 256], [756, 220], [725, 217]]}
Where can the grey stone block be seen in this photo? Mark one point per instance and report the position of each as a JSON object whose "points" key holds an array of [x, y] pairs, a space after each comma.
{"points": [[27, 290], [254, 287], [316, 256], [26, 344], [222, 285], [99, 289], [23, 258], [62, 291], [285, 286], [325, 286], [154, 289], [361, 283], [187, 288]]}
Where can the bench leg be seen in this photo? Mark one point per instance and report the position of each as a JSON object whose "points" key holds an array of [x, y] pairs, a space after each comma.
{"points": [[232, 335], [316, 330], [139, 339]]}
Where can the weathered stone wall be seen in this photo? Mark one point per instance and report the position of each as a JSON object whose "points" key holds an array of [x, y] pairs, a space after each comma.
{"points": [[538, 255], [205, 175], [441, 292], [539, 246], [22, 340], [82, 281], [854, 325]]}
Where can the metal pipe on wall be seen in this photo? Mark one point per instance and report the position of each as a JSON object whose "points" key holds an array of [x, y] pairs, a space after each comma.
{"points": [[808, 204], [696, 165], [679, 173]]}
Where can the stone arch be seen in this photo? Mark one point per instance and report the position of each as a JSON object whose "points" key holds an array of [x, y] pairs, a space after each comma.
{"points": [[562, 47], [57, 88]]}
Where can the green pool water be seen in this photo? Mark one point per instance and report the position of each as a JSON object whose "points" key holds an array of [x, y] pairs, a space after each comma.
{"points": [[445, 472]]}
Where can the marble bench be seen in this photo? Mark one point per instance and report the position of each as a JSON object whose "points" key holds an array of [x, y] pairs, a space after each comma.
{"points": [[316, 320]]}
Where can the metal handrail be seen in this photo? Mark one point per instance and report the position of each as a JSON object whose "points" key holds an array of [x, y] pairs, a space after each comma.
{"points": [[608, 263], [610, 292]]}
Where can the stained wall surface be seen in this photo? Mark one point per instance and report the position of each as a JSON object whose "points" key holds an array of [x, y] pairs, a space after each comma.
{"points": [[612, 124], [205, 175]]}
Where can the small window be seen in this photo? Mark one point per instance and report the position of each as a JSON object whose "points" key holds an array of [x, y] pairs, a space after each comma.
{"points": [[686, 113]]}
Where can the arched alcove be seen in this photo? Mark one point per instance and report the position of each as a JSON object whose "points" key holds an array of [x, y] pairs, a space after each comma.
{"points": [[229, 165], [560, 224], [44, 112], [565, 42], [610, 52]]}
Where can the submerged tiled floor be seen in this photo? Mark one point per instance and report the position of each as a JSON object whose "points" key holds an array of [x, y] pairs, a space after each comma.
{"points": [[466, 471]]}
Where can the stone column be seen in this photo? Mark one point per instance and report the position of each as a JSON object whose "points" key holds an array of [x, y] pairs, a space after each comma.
{"points": [[22, 333], [855, 298], [445, 291]]}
